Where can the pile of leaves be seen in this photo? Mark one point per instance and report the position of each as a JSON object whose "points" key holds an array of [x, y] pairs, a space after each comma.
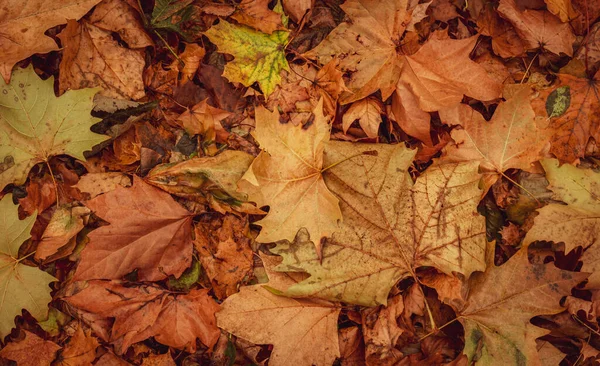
{"points": [[300, 182]]}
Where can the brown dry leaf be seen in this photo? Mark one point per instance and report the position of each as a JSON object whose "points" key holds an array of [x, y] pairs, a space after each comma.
{"points": [[409, 117], [146, 311], [586, 10], [92, 58], [41, 194], [500, 304], [368, 112], [81, 349], [65, 224], [381, 332], [573, 128], [224, 249], [192, 57], [352, 347], [562, 9], [296, 9], [148, 231], [513, 139], [30, 351], [120, 17], [23, 24], [287, 177], [451, 290], [549, 355], [590, 53], [539, 28], [110, 359], [370, 47], [505, 40], [303, 332], [391, 227], [95, 184], [256, 14], [204, 119], [159, 360]]}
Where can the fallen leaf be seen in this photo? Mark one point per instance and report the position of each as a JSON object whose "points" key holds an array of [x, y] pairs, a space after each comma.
{"points": [[391, 227], [302, 331], [81, 349], [562, 9], [352, 347], [578, 222], [120, 17], [92, 58], [95, 184], [513, 139], [41, 194], [110, 359], [145, 311], [148, 231], [409, 117], [258, 57], [159, 360], [500, 304], [21, 286], [65, 224], [30, 351], [368, 112], [191, 58], [204, 119], [256, 14], [170, 14], [539, 28], [223, 246], [36, 125], [287, 177], [296, 9], [381, 332], [549, 355], [23, 24]]}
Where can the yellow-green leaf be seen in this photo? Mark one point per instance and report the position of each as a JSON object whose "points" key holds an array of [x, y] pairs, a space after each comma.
{"points": [[259, 57], [35, 124], [21, 286]]}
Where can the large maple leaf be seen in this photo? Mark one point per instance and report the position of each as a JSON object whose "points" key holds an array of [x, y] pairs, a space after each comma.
{"points": [[141, 312], [35, 125], [578, 118], [302, 331], [23, 23], [148, 231], [390, 227], [370, 47], [287, 176], [21, 286], [578, 222], [513, 139], [500, 304], [258, 57]]}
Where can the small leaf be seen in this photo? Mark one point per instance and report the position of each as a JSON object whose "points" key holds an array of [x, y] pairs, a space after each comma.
{"points": [[558, 101]]}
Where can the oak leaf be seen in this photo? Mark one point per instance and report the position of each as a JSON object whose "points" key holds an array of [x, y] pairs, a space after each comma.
{"points": [[391, 227], [539, 28], [578, 222], [513, 139], [302, 331], [30, 351], [500, 304], [147, 231], [21, 286], [368, 112], [258, 57], [35, 125], [287, 176], [23, 24], [92, 58], [141, 312]]}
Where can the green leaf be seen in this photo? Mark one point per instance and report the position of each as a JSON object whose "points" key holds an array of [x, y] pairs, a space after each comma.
{"points": [[21, 286], [169, 14], [35, 124], [259, 57]]}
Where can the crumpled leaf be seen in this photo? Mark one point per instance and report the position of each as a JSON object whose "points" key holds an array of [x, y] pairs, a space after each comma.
{"points": [[381, 332], [258, 57], [65, 224], [35, 125], [390, 227], [368, 112], [539, 28], [203, 119], [500, 304], [30, 351], [23, 24], [302, 331], [92, 58], [145, 311], [148, 231], [21, 286], [578, 222], [287, 176], [513, 139]]}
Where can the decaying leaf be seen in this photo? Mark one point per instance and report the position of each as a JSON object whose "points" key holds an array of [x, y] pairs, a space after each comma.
{"points": [[21, 286], [390, 226], [23, 24], [500, 304], [287, 177], [148, 231], [258, 57], [35, 125], [31, 350]]}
